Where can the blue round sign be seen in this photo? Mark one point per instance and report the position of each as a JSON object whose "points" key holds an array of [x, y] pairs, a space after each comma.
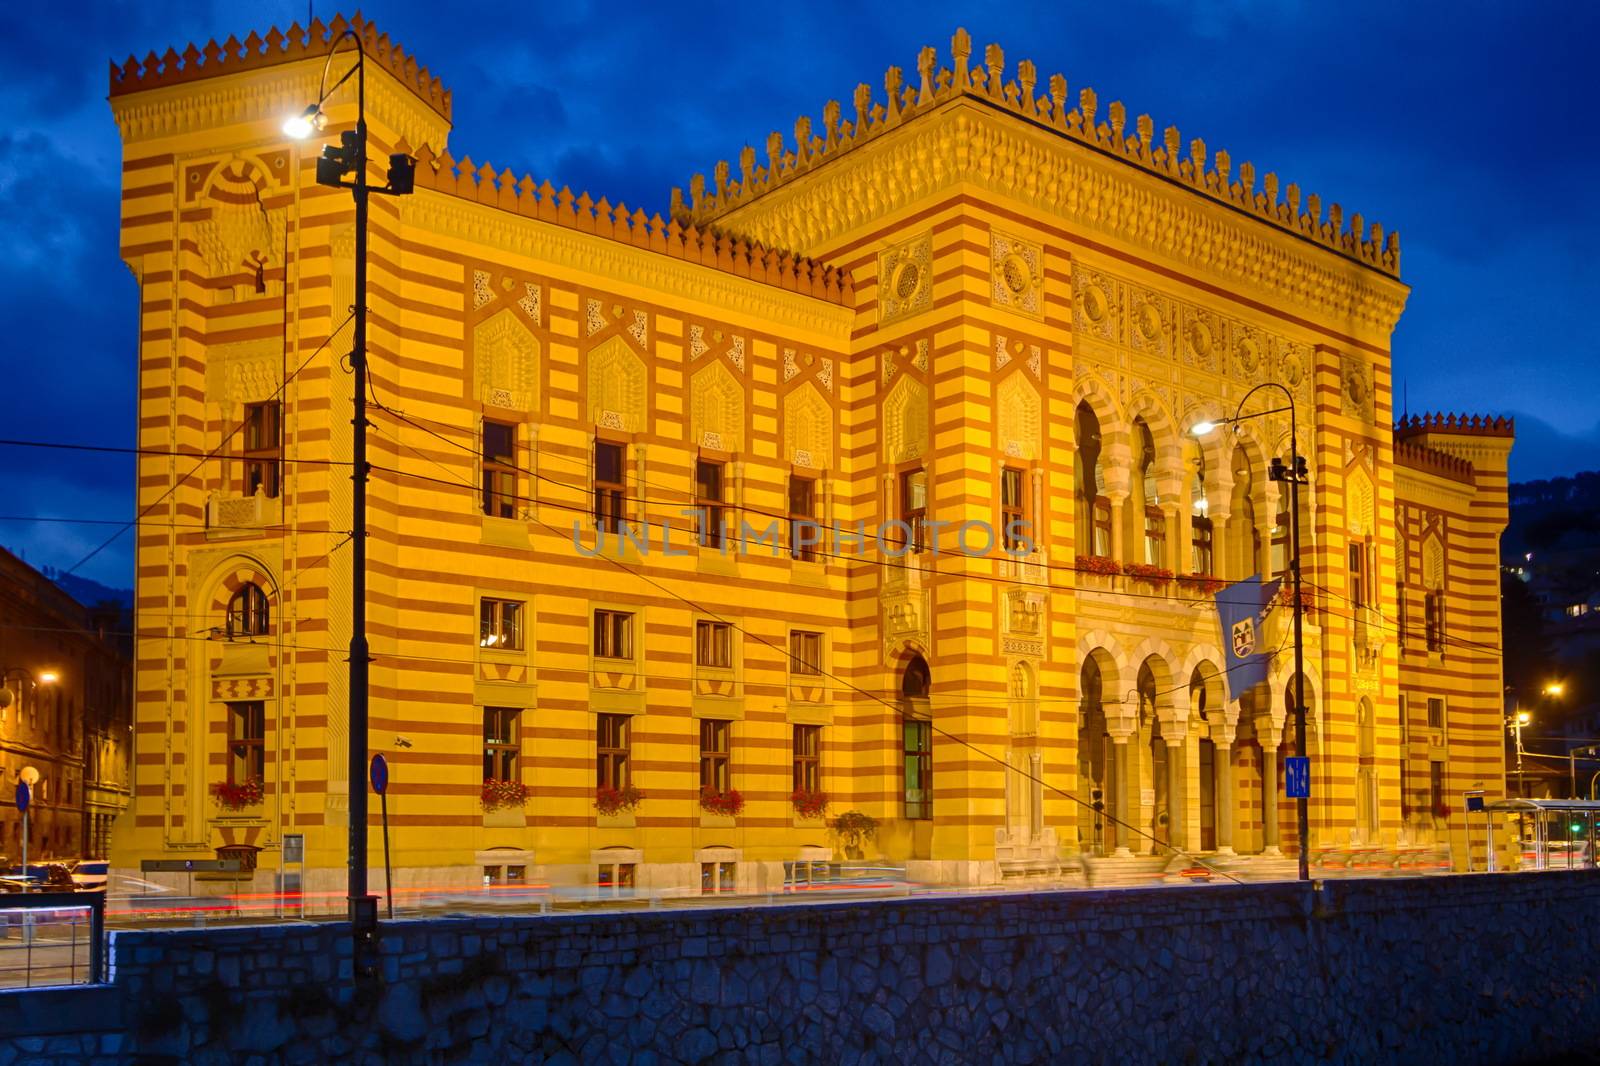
{"points": [[23, 796], [379, 772]]}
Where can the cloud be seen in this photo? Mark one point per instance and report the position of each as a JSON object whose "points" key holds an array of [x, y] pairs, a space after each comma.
{"points": [[1542, 451]]}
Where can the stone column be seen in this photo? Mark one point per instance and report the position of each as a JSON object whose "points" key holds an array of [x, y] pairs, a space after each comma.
{"points": [[1127, 799], [1036, 791], [1222, 789], [1176, 736], [1119, 502], [1269, 788], [1219, 544]]}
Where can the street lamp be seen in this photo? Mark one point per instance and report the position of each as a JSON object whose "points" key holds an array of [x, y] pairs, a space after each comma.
{"points": [[333, 165], [22, 673], [1295, 474], [1515, 722]]}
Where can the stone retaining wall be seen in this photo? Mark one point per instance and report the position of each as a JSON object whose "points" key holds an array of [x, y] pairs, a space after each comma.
{"points": [[1493, 968]]}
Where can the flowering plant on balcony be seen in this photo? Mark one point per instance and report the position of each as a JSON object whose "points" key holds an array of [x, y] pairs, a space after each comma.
{"points": [[1202, 582], [1097, 564], [611, 801], [237, 795], [1147, 572], [727, 803], [809, 804], [497, 794]]}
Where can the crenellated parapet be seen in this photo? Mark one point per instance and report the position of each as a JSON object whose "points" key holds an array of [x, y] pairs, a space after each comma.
{"points": [[1474, 425], [482, 183], [1432, 461], [255, 52], [1211, 174]]}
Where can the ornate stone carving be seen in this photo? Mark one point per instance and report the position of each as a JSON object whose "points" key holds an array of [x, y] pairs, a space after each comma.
{"points": [[593, 317], [905, 278], [697, 342], [532, 302], [639, 329], [1016, 270], [482, 291], [244, 371], [905, 422], [505, 356], [736, 352], [716, 404], [1019, 417], [618, 385], [807, 427], [1356, 393]]}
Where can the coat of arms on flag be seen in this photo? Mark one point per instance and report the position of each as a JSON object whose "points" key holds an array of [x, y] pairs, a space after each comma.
{"points": [[1244, 637]]}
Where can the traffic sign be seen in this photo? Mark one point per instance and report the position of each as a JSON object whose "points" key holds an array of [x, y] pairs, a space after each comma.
{"points": [[1297, 777], [23, 796], [189, 866], [294, 847], [1474, 800], [379, 773]]}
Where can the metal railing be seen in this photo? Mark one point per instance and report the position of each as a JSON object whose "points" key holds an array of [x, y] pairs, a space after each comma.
{"points": [[52, 938]]}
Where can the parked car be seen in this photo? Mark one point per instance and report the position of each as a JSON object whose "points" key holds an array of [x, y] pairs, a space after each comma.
{"points": [[43, 877], [90, 874]]}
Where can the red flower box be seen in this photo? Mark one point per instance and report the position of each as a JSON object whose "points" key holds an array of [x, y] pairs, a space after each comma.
{"points": [[497, 794], [1203, 583], [727, 803], [236, 796], [611, 801], [809, 804], [1097, 564], [1147, 572]]}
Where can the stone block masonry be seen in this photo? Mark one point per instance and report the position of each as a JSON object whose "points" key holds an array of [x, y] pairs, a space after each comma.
{"points": [[1470, 969]]}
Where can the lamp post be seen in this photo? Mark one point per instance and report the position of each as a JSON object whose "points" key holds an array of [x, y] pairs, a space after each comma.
{"points": [[44, 677], [1295, 474], [350, 158], [1515, 722]]}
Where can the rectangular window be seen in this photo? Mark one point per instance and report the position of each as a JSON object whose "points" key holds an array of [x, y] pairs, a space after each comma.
{"points": [[499, 469], [1433, 620], [714, 741], [803, 516], [1358, 573], [1435, 712], [500, 625], [808, 758], [716, 877], [914, 507], [247, 741], [1200, 558], [1405, 727], [610, 465], [805, 652], [709, 488], [262, 448], [1401, 610], [612, 736], [1013, 509], [713, 645], [1435, 787], [500, 744], [919, 769], [618, 877], [613, 635], [1100, 531], [1155, 536]]}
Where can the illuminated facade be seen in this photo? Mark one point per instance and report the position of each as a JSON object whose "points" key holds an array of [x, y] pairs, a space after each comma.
{"points": [[1008, 306]]}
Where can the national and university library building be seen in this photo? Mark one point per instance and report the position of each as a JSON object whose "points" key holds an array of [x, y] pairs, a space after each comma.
{"points": [[605, 648]]}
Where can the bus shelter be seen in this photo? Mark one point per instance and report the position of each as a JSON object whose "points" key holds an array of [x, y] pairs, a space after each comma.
{"points": [[1553, 834]]}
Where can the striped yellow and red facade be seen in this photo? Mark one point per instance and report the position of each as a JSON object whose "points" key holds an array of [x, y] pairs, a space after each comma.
{"points": [[975, 288]]}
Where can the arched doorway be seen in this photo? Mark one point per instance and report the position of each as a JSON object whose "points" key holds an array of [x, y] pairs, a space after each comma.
{"points": [[1160, 769], [1097, 827], [916, 686]]}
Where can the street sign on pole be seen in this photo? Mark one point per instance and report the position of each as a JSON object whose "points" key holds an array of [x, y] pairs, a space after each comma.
{"points": [[23, 797], [294, 847], [1297, 777], [379, 773]]}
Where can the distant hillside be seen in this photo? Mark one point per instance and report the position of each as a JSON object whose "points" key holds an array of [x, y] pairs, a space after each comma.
{"points": [[1557, 517], [87, 592]]}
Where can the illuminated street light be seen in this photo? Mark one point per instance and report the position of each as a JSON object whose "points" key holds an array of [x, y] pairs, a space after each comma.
{"points": [[1203, 427], [304, 124], [1523, 717]]}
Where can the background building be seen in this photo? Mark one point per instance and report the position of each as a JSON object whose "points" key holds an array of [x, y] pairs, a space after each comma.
{"points": [[1006, 305], [68, 721]]}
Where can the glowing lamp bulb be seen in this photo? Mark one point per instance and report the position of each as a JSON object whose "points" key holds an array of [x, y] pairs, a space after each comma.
{"points": [[302, 125], [1201, 428]]}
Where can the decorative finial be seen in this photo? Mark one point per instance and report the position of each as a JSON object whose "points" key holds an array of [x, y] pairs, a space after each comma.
{"points": [[1119, 120], [1086, 105], [1147, 129], [802, 138], [1172, 138], [774, 152], [1058, 96], [961, 51], [719, 174], [1027, 78], [747, 167], [925, 63], [697, 191], [830, 123], [863, 102], [891, 85], [994, 58], [1197, 155]]}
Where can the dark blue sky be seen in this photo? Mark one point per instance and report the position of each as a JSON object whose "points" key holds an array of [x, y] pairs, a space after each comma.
{"points": [[1469, 127]]}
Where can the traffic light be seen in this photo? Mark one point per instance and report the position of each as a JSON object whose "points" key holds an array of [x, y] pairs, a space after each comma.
{"points": [[402, 174], [334, 163]]}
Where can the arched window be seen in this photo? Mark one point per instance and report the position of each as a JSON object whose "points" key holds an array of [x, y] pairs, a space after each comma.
{"points": [[248, 612], [1245, 534], [915, 685], [1153, 521], [1200, 540], [1093, 506]]}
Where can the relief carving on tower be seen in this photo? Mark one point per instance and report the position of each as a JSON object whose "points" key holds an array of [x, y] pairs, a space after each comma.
{"points": [[505, 356], [905, 421], [1016, 273], [1019, 418], [1022, 623], [905, 621], [905, 278], [1355, 392], [618, 385], [716, 406], [241, 240], [244, 372], [807, 428]]}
